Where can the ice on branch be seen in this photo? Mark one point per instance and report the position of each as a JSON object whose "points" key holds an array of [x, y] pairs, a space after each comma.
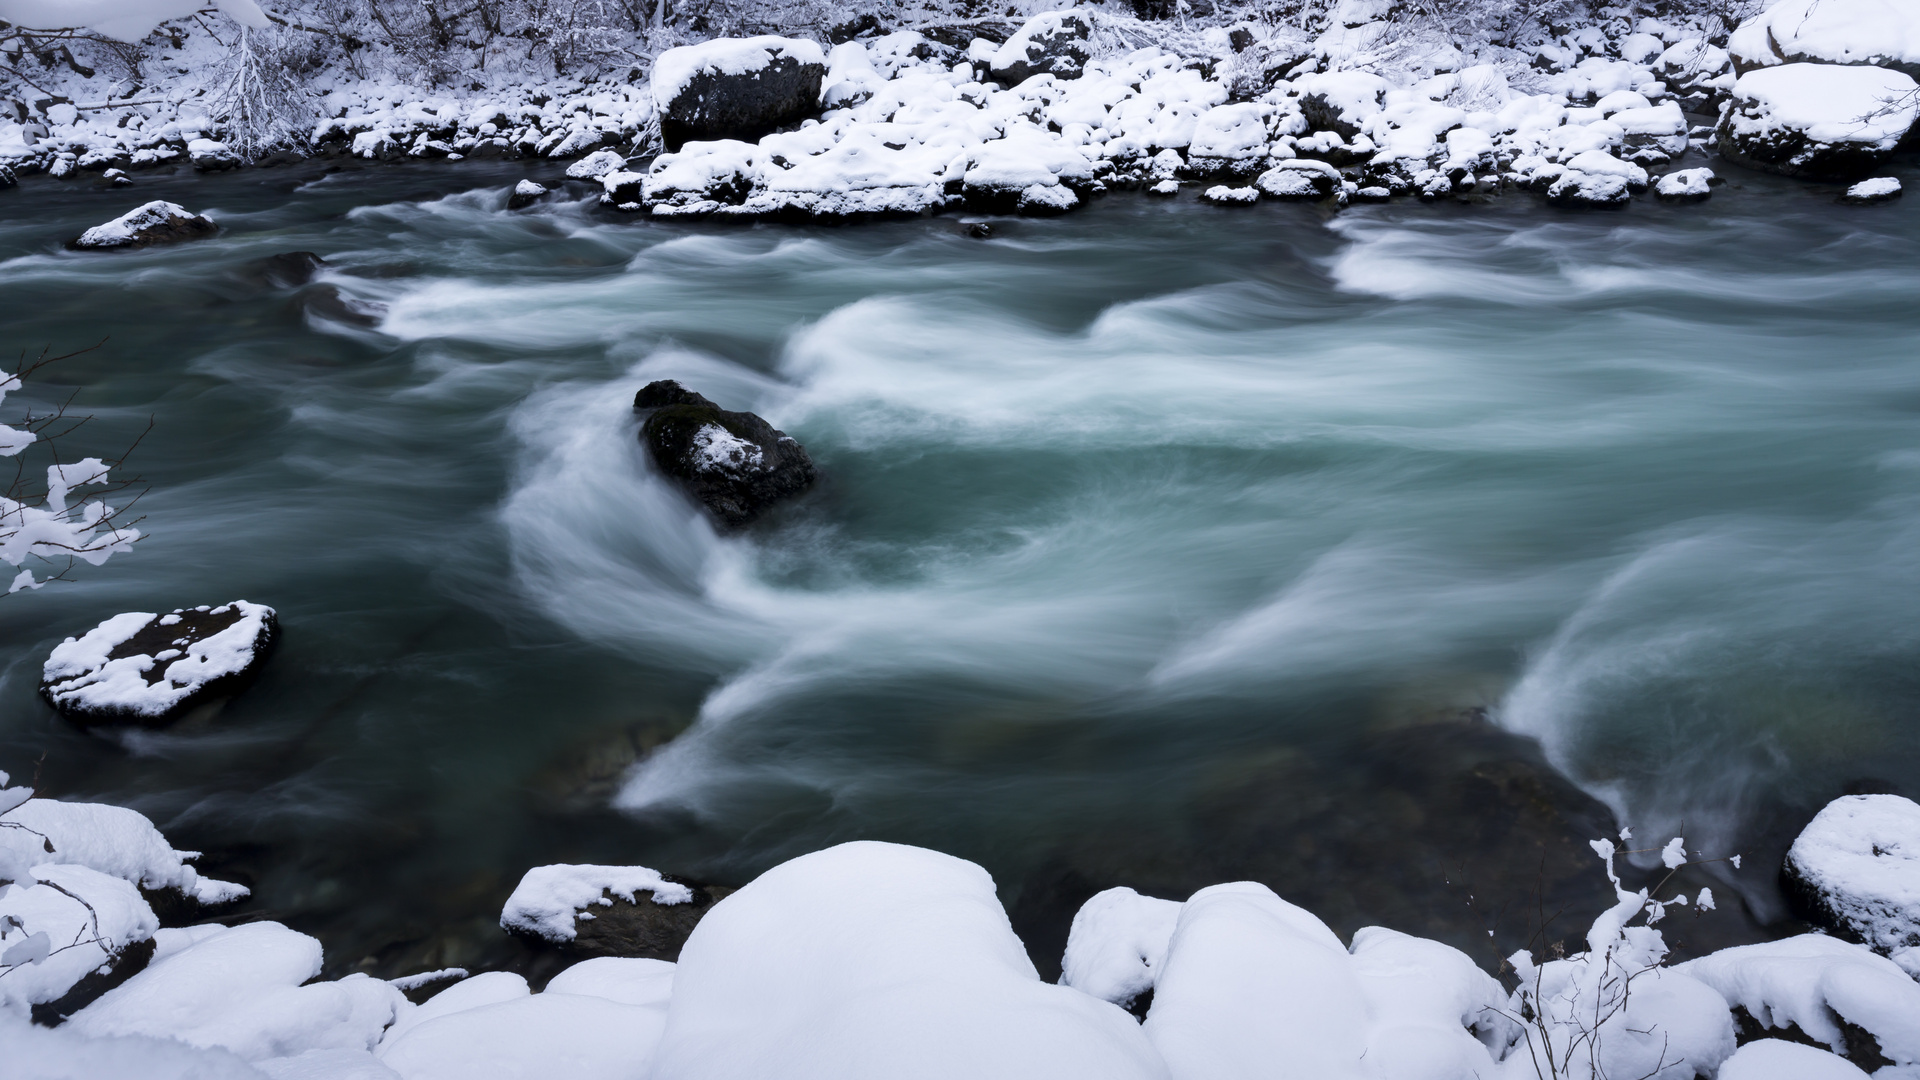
{"points": [[48, 525]]}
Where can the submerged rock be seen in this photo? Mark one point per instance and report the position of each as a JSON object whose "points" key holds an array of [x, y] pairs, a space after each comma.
{"points": [[734, 463], [1817, 121], [142, 668], [157, 222], [289, 269], [1855, 869], [736, 88]]}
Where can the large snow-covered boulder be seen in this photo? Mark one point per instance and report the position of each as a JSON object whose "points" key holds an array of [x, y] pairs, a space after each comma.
{"points": [[1883, 33], [607, 911], [736, 88], [1229, 141], [1433, 1012], [1823, 986], [1819, 121], [872, 961], [109, 839], [734, 463], [1856, 870], [157, 222], [1056, 43], [1592, 178], [1298, 178], [1251, 980], [144, 668], [1341, 101], [1778, 1059]]}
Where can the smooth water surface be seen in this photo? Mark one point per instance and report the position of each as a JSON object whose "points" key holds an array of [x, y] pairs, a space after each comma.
{"points": [[1118, 510]]}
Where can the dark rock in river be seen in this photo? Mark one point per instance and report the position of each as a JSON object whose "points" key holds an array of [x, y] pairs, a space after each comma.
{"points": [[713, 103], [643, 928], [147, 669], [289, 269], [734, 463], [158, 222]]}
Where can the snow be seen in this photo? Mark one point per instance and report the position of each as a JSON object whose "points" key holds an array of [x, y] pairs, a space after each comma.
{"points": [[1874, 190], [241, 989], [1776, 1059], [529, 189], [1830, 104], [486, 988], [596, 165], [110, 839], [1861, 854], [1251, 980], [81, 674], [627, 980], [1118, 944], [1426, 1002], [1807, 980], [537, 1035], [340, 1064], [549, 898], [32, 1052], [676, 68], [1222, 195], [1881, 32], [126, 20], [48, 528], [50, 939], [874, 961]]}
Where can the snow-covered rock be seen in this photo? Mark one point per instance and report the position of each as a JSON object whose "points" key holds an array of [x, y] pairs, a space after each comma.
{"points": [[734, 464], [1816, 983], [1051, 43], [736, 88], [1687, 185], [61, 923], [1883, 33], [40, 1053], [872, 960], [109, 839], [1432, 1011], [1856, 869], [1341, 101], [607, 911], [526, 193], [1229, 141], [1298, 178], [1877, 190], [1777, 1059], [596, 165], [1819, 121], [157, 222], [1118, 944], [1593, 178], [148, 669], [245, 989], [550, 1034], [1222, 195]]}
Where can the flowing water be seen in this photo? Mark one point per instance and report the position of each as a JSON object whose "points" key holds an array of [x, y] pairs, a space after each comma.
{"points": [[1134, 525]]}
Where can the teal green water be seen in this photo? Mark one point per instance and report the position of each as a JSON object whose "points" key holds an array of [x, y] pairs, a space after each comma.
{"points": [[1113, 504]]}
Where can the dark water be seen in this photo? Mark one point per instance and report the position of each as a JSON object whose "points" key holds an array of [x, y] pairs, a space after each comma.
{"points": [[1156, 543]]}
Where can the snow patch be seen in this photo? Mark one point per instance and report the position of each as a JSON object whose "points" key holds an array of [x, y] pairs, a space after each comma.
{"points": [[549, 898]]}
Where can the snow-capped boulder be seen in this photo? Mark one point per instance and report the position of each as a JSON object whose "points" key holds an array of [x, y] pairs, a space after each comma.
{"points": [[606, 911], [1056, 43], [736, 88], [1777, 1059], [1298, 178], [211, 155], [1594, 178], [1229, 141], [1341, 101], [526, 193], [1118, 944], [144, 668], [1222, 195], [112, 840], [1882, 33], [872, 961], [1877, 190], [734, 464], [1025, 174], [157, 222], [596, 165], [1819, 121], [1687, 185], [1430, 1007], [1652, 135], [1861, 1005], [1856, 870], [67, 934]]}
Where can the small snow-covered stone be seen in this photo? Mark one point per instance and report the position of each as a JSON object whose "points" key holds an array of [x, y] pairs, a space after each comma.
{"points": [[148, 669], [1118, 944], [525, 193], [610, 911], [736, 88], [1819, 121], [1164, 187], [596, 165], [1687, 185], [1595, 178], [1856, 868], [1879, 189], [1298, 178], [1222, 195], [157, 222]]}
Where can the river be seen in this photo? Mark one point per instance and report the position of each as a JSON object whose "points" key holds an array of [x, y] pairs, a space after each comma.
{"points": [[1156, 542]]}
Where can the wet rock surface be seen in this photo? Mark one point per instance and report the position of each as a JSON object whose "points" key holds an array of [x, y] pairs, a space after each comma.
{"points": [[734, 464]]}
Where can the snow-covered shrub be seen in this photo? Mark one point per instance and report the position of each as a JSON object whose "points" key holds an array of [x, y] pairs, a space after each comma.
{"points": [[43, 526]]}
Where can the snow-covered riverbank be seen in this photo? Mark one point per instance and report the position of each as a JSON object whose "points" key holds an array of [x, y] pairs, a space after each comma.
{"points": [[880, 960], [1354, 102]]}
